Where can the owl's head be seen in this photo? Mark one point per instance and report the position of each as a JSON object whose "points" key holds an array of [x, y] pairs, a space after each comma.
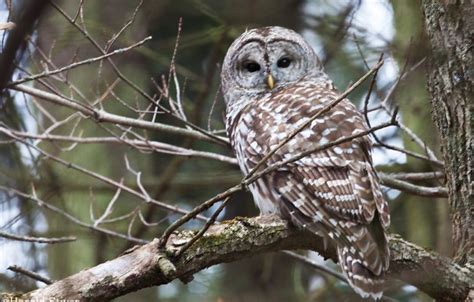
{"points": [[264, 59]]}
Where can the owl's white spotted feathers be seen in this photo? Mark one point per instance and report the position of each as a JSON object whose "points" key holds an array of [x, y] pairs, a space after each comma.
{"points": [[335, 192]]}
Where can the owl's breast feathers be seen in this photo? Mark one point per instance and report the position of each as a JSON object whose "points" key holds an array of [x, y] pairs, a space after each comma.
{"points": [[334, 191]]}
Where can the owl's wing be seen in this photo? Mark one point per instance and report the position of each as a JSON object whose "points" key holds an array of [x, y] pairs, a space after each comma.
{"points": [[362, 248], [346, 188], [340, 179]]}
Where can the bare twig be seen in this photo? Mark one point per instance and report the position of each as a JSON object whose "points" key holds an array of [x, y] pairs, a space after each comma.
{"points": [[105, 179], [133, 85], [361, 54], [124, 27], [108, 210], [384, 104], [317, 148], [103, 116], [415, 175], [172, 75], [149, 224], [199, 209], [79, 11], [28, 273], [413, 136], [77, 64], [435, 162], [37, 239], [211, 110], [140, 144], [413, 189], [369, 93], [204, 228], [50, 207]]}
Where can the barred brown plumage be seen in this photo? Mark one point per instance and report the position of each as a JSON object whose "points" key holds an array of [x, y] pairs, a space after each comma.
{"points": [[334, 193]]}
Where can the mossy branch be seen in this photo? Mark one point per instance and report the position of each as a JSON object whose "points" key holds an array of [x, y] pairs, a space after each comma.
{"points": [[237, 239]]}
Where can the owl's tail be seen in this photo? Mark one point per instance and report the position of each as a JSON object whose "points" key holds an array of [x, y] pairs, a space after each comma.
{"points": [[366, 259], [361, 279]]}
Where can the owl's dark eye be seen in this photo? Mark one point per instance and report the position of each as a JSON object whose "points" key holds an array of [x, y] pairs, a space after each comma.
{"points": [[251, 66], [284, 62]]}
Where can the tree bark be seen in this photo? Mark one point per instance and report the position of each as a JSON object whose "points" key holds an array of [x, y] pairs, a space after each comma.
{"points": [[450, 27], [233, 240]]}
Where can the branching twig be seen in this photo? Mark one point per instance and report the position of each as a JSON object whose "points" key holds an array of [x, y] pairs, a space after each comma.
{"points": [[133, 85], [110, 206], [124, 27], [104, 116], [140, 144], [77, 64], [106, 180], [71, 218]]}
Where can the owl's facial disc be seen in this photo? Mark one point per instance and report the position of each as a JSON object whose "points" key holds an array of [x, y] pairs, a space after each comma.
{"points": [[287, 61], [263, 66], [268, 58], [250, 66]]}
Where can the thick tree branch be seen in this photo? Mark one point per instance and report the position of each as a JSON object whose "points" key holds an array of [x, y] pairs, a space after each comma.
{"points": [[237, 239]]}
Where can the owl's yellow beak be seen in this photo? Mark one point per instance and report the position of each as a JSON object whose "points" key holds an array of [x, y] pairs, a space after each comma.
{"points": [[270, 81]]}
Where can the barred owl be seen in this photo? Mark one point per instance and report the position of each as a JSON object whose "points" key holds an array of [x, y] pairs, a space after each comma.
{"points": [[273, 82]]}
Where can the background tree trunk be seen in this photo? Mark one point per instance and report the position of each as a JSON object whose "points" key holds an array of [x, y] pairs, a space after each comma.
{"points": [[450, 27]]}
